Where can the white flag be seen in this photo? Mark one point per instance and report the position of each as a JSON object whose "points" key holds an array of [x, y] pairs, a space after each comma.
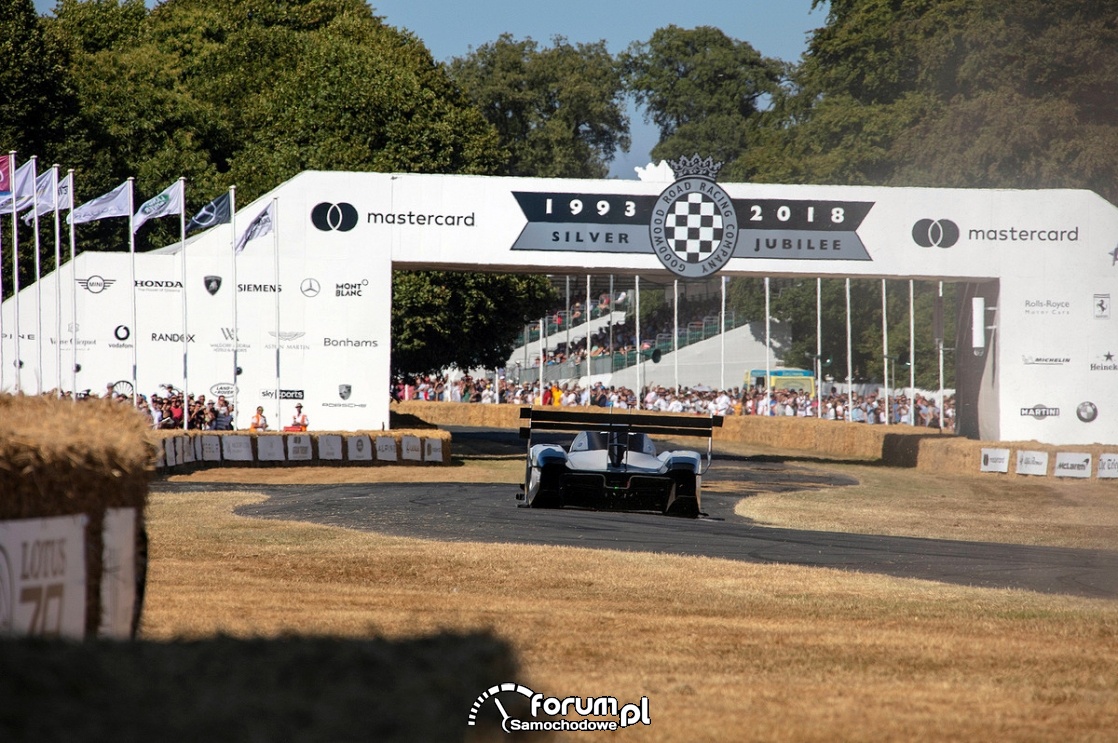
{"points": [[164, 205], [258, 227], [44, 197], [116, 203], [66, 192], [23, 187]]}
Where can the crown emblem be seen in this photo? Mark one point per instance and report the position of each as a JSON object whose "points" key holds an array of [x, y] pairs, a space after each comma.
{"points": [[686, 167]]}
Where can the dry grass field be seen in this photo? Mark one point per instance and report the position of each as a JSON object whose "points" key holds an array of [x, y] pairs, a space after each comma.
{"points": [[725, 651]]}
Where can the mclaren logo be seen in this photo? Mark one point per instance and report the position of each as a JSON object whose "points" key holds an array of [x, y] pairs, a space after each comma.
{"points": [[935, 233], [334, 217], [694, 227]]}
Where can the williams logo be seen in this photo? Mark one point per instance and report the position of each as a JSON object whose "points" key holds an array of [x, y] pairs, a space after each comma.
{"points": [[694, 227], [334, 217], [96, 284], [212, 284], [935, 233]]}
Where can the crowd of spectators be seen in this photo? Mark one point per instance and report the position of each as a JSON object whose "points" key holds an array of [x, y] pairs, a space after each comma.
{"points": [[165, 408], [870, 408]]}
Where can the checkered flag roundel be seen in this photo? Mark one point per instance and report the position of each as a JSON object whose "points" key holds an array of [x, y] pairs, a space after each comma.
{"points": [[693, 227]]}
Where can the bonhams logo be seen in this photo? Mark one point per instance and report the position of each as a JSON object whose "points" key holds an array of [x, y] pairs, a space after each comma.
{"points": [[935, 233], [329, 217]]}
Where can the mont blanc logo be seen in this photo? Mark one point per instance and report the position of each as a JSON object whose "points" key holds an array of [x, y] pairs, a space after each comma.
{"points": [[694, 227], [345, 390], [935, 233], [310, 287], [341, 217], [212, 284], [95, 284]]}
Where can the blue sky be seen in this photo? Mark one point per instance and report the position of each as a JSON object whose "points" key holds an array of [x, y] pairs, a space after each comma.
{"points": [[776, 28]]}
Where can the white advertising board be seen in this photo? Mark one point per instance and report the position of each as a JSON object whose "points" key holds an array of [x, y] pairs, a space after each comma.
{"points": [[994, 460], [236, 448], [211, 448], [1073, 464], [386, 449], [1032, 463], [359, 448], [269, 448], [412, 448], [118, 573], [42, 577], [1108, 466], [433, 450], [330, 446], [299, 448]]}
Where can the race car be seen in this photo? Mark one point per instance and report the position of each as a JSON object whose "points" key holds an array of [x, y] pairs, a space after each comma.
{"points": [[613, 463]]}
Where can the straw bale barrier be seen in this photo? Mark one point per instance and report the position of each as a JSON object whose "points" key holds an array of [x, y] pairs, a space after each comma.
{"points": [[63, 459], [894, 446]]}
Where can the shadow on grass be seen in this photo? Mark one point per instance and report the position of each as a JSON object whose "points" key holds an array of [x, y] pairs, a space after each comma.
{"points": [[226, 689]]}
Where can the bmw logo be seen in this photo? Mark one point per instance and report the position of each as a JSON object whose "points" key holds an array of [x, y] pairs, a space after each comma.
{"points": [[329, 217], [1087, 411]]}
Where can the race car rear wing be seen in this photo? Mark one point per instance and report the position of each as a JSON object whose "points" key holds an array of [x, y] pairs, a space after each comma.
{"points": [[544, 419]]}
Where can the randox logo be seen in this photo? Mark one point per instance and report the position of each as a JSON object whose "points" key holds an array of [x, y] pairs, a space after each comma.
{"points": [[694, 228], [935, 233], [522, 709], [212, 284], [341, 217]]}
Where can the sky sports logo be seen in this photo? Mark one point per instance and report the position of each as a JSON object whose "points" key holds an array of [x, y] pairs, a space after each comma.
{"points": [[944, 233]]}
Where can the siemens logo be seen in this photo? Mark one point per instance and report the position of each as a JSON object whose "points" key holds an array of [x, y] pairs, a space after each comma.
{"points": [[272, 288]]}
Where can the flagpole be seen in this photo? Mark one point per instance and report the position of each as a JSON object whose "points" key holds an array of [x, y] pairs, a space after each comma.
{"points": [[73, 294], [15, 271], [276, 258], [57, 286], [236, 341], [182, 256], [849, 359], [132, 287], [38, 283]]}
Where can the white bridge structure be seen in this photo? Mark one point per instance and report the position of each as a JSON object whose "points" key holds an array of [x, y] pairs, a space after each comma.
{"points": [[304, 312]]}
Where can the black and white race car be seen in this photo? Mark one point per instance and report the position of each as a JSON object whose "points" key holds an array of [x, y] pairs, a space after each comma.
{"points": [[613, 463]]}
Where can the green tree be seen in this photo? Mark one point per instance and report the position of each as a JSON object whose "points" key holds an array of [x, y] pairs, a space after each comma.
{"points": [[559, 110], [703, 90]]}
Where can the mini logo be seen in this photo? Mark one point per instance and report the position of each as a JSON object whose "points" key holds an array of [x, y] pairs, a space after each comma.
{"points": [[935, 233], [212, 284], [1102, 305], [1087, 411], [522, 709], [329, 217], [1040, 412], [344, 391], [310, 287], [694, 228], [96, 284], [122, 333]]}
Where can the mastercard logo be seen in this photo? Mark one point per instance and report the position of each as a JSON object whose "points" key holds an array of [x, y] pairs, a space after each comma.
{"points": [[334, 217], [935, 233]]}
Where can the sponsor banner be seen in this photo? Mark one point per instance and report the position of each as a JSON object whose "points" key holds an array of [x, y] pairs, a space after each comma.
{"points": [[269, 448], [386, 449], [1108, 466], [1032, 463], [236, 448], [432, 450], [359, 448], [1073, 464], [118, 573], [299, 448], [994, 460], [172, 454], [42, 577], [211, 448], [330, 446], [412, 448]]}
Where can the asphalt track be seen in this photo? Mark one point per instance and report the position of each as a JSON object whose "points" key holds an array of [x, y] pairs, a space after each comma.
{"points": [[488, 513]]}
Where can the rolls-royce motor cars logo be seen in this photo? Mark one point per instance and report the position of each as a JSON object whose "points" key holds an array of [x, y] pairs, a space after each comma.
{"points": [[694, 227], [212, 284], [95, 284], [340, 217], [935, 233]]}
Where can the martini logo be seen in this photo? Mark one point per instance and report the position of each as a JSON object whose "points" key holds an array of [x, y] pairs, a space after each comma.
{"points": [[95, 284], [522, 709], [212, 284], [935, 233], [1040, 412], [694, 227], [334, 217]]}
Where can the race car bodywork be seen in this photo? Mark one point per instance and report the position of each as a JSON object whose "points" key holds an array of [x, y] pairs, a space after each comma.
{"points": [[613, 463]]}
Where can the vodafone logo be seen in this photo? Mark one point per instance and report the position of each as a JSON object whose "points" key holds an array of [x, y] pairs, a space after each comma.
{"points": [[935, 233], [334, 217]]}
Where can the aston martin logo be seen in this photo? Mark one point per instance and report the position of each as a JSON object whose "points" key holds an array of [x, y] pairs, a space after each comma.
{"points": [[212, 283], [285, 335]]}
